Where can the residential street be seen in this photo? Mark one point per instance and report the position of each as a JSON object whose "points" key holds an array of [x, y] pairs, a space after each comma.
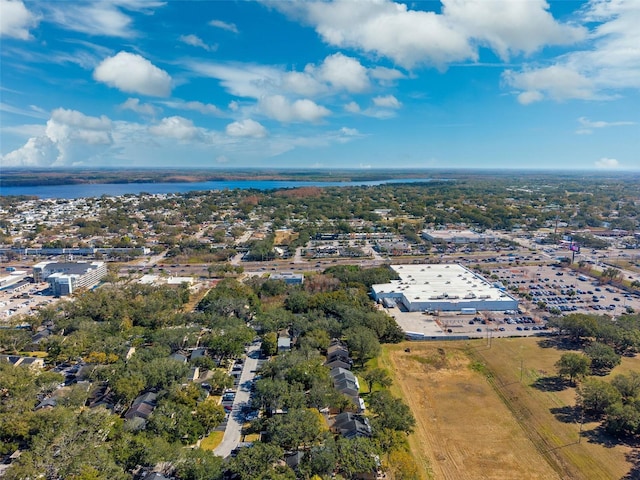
{"points": [[236, 419]]}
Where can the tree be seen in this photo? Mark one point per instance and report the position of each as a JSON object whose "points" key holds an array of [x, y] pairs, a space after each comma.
{"points": [[299, 427], [363, 344], [256, 461], [627, 385], [219, 380], [379, 376], [611, 274], [128, 387], [198, 464], [356, 456], [603, 357], [391, 412], [622, 420], [269, 343], [209, 414], [596, 396], [573, 365]]}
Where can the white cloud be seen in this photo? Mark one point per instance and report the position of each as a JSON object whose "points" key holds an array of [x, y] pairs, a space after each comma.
{"points": [[585, 122], [344, 73], [350, 132], [557, 82], [16, 20], [530, 96], [230, 27], [609, 62], [386, 76], [204, 108], [176, 127], [281, 109], [37, 152], [33, 111], [196, 41], [412, 37], [388, 101], [607, 163], [134, 105], [132, 73], [510, 27], [303, 83], [104, 18], [240, 79], [352, 107], [389, 29], [70, 138], [246, 128]]}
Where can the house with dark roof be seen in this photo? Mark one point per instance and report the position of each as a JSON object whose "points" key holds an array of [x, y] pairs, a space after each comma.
{"points": [[17, 360], [351, 425], [142, 407]]}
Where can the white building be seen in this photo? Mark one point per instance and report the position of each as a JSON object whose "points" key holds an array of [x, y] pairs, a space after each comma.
{"points": [[457, 236], [443, 288], [66, 277]]}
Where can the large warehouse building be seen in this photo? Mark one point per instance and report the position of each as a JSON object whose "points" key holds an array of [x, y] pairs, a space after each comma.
{"points": [[66, 277], [446, 288], [457, 236]]}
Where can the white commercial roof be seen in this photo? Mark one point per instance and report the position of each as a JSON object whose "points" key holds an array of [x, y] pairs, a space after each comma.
{"points": [[430, 283]]}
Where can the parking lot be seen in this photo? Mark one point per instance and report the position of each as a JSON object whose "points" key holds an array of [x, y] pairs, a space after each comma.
{"points": [[543, 291]]}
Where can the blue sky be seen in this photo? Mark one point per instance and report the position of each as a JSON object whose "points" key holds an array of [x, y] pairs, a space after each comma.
{"points": [[330, 84]]}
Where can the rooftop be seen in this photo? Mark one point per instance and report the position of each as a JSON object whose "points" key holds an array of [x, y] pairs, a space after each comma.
{"points": [[440, 283]]}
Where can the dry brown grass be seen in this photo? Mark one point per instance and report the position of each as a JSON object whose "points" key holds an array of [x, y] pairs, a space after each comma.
{"points": [[476, 419]]}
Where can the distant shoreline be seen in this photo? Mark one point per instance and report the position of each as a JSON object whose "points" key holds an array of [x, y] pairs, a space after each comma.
{"points": [[37, 178]]}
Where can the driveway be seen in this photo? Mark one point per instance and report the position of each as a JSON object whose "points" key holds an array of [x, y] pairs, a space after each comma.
{"points": [[232, 432]]}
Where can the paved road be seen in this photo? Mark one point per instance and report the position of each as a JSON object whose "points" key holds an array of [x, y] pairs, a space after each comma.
{"points": [[234, 424]]}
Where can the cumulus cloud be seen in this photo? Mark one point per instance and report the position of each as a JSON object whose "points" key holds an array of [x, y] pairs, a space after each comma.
{"points": [[530, 96], [246, 128], [133, 73], [37, 152], [230, 27], [557, 82], [344, 73], [134, 105], [70, 138], [411, 37], [204, 108], [388, 101], [281, 109], [196, 41], [609, 62], [350, 132], [386, 76], [16, 20], [607, 163], [352, 107], [303, 83], [176, 127], [509, 27]]}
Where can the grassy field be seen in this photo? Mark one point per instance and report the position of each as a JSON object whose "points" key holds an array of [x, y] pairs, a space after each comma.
{"points": [[480, 416]]}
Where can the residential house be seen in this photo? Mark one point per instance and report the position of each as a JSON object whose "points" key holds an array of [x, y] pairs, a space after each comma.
{"points": [[351, 425]]}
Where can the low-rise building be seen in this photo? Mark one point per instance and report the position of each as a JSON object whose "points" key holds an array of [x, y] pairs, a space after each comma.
{"points": [[65, 278]]}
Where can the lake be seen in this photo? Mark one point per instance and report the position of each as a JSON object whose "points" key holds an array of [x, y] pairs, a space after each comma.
{"points": [[116, 189]]}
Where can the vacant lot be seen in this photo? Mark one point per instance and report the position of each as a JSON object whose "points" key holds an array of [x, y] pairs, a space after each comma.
{"points": [[480, 416]]}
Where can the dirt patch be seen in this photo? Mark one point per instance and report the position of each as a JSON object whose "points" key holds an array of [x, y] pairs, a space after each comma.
{"points": [[481, 413], [463, 428]]}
